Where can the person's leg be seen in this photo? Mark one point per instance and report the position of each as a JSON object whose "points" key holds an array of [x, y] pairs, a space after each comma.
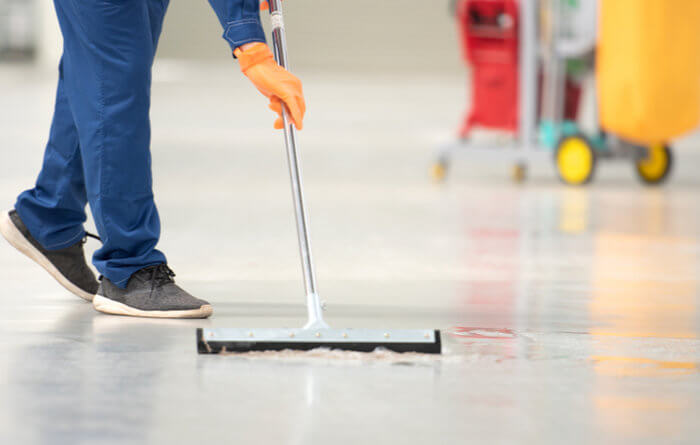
{"points": [[54, 210], [47, 222], [150, 291], [156, 14], [108, 53]]}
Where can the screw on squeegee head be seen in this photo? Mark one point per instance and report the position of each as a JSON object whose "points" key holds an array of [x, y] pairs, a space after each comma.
{"points": [[240, 340]]}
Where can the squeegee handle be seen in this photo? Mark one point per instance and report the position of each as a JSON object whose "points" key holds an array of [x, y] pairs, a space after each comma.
{"points": [[279, 45]]}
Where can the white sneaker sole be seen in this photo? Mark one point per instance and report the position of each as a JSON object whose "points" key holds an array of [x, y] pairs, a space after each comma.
{"points": [[108, 306], [19, 242]]}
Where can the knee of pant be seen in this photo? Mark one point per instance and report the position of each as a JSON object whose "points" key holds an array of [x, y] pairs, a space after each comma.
{"points": [[132, 75]]}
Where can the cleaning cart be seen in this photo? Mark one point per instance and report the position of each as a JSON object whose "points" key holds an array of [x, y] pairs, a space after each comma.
{"points": [[530, 59], [648, 88], [489, 34], [499, 42]]}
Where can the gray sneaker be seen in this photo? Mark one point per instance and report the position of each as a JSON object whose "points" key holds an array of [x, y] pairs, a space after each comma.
{"points": [[150, 292], [66, 265]]}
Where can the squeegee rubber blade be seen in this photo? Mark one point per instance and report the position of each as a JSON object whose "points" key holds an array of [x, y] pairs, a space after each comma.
{"points": [[219, 346]]}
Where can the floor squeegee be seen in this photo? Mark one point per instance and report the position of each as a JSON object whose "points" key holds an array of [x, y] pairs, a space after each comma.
{"points": [[316, 333]]}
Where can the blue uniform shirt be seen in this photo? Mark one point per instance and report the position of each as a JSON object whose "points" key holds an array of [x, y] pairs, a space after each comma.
{"points": [[241, 21]]}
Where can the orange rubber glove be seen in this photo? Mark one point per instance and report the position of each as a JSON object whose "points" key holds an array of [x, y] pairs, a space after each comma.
{"points": [[275, 82]]}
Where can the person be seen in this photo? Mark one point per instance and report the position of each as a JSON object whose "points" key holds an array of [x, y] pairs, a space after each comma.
{"points": [[98, 152]]}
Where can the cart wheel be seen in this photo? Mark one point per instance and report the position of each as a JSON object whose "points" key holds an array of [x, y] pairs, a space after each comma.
{"points": [[519, 172], [575, 160], [438, 171], [655, 168]]}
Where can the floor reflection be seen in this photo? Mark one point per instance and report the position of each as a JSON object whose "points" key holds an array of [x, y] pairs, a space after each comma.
{"points": [[641, 367], [644, 286], [624, 275], [66, 381]]}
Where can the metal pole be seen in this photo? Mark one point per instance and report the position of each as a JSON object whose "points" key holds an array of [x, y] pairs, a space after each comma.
{"points": [[555, 78], [313, 303], [528, 73]]}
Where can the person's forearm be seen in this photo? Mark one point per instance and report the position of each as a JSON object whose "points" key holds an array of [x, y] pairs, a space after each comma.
{"points": [[245, 46], [240, 20]]}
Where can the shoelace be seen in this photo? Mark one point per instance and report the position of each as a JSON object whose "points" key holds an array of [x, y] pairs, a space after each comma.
{"points": [[90, 235], [158, 275]]}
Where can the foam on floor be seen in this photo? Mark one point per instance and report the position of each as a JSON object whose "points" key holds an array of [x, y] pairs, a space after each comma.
{"points": [[336, 356]]}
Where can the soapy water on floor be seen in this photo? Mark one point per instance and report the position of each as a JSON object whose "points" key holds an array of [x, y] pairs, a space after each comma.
{"points": [[340, 357], [453, 351], [462, 346]]}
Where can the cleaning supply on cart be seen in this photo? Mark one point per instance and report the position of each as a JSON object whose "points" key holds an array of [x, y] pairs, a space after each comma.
{"points": [[567, 36], [648, 68], [489, 34]]}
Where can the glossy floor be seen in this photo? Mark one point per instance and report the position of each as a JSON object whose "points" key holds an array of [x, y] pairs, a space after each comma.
{"points": [[571, 315]]}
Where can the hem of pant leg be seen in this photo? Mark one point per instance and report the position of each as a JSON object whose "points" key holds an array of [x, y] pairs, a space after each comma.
{"points": [[122, 283], [57, 246], [67, 243]]}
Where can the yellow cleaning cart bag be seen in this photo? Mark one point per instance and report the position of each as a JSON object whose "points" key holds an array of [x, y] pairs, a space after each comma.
{"points": [[648, 68]]}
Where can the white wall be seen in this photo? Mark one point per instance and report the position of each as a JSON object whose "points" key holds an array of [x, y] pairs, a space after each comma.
{"points": [[416, 35], [393, 35]]}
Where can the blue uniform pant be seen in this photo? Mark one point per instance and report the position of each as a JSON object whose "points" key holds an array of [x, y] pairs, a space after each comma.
{"points": [[99, 145]]}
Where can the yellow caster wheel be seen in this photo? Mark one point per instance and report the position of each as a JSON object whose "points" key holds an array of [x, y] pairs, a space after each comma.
{"points": [[655, 168], [518, 173], [438, 171], [575, 160]]}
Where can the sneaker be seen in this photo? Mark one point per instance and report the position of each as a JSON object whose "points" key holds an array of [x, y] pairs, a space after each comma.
{"points": [[150, 292], [66, 265]]}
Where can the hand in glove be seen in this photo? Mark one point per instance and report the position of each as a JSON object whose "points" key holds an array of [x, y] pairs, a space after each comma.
{"points": [[275, 82]]}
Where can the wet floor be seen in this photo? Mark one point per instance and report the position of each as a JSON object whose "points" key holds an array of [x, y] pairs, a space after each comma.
{"points": [[569, 314]]}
